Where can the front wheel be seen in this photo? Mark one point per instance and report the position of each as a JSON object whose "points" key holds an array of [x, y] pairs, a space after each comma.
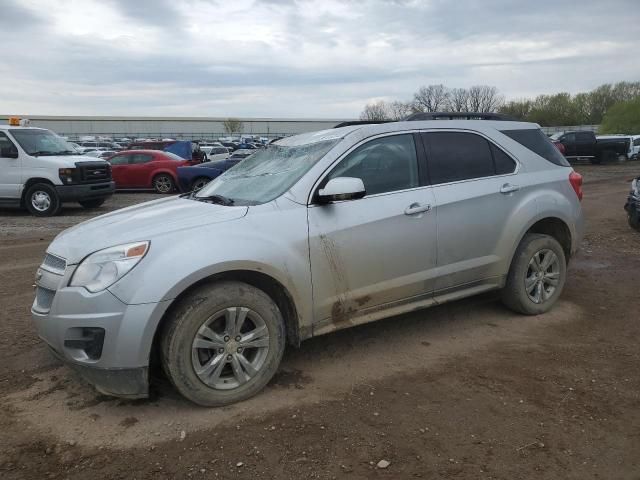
{"points": [[537, 275], [198, 183], [163, 183], [42, 200], [92, 203], [634, 220], [223, 343]]}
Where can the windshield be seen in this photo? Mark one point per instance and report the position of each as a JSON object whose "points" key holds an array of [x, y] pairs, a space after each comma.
{"points": [[41, 142], [266, 174]]}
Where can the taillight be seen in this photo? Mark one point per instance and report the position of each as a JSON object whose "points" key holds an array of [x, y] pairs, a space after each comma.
{"points": [[575, 179]]}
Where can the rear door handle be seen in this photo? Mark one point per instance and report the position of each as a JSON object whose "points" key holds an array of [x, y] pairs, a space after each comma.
{"points": [[508, 188], [416, 208]]}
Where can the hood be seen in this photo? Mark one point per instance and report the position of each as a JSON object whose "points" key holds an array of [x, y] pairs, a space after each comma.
{"points": [[145, 221], [68, 161]]}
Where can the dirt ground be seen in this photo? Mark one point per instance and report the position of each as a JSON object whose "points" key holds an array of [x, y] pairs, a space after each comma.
{"points": [[466, 390]]}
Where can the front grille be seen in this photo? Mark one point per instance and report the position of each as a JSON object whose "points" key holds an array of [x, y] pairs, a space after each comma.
{"points": [[54, 262], [44, 299], [91, 172]]}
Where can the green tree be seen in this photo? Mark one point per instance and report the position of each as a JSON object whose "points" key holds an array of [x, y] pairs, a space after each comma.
{"points": [[623, 117]]}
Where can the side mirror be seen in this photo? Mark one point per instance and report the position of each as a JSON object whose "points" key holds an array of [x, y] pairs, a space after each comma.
{"points": [[8, 152], [342, 188]]}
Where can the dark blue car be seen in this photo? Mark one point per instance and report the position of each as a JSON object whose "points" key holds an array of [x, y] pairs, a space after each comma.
{"points": [[196, 177]]}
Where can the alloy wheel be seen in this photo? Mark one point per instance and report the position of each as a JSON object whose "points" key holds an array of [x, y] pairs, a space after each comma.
{"points": [[543, 276], [163, 184], [230, 348]]}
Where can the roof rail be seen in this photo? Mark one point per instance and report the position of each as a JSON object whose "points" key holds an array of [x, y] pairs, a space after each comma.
{"points": [[458, 116], [361, 122]]}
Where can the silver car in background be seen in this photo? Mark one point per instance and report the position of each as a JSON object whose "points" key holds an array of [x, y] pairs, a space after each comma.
{"points": [[313, 233]]}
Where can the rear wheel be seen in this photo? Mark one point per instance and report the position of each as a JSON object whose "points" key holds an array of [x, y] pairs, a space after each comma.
{"points": [[42, 200], [92, 203], [634, 220], [163, 183], [537, 275], [223, 343]]}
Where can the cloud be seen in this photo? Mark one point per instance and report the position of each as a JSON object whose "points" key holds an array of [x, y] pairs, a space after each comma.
{"points": [[270, 58]]}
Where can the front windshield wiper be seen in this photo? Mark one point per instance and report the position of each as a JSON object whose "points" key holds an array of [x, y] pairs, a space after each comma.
{"points": [[41, 152], [214, 198]]}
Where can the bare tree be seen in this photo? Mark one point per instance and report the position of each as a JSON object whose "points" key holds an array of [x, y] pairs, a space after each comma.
{"points": [[430, 99], [483, 98], [375, 111], [459, 100], [397, 110], [232, 125]]}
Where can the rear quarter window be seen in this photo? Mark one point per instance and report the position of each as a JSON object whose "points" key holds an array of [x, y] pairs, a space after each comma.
{"points": [[537, 142]]}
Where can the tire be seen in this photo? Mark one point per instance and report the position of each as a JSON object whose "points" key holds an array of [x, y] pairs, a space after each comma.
{"points": [[622, 158], [163, 183], [523, 272], [634, 220], [42, 200], [198, 183], [206, 316], [92, 203]]}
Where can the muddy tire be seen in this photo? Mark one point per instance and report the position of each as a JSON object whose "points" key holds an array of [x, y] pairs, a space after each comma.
{"points": [[223, 343], [537, 275], [42, 200], [634, 220]]}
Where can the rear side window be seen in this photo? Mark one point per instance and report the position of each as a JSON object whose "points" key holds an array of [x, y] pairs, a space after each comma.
{"points": [[504, 163], [140, 158], [455, 156], [537, 142]]}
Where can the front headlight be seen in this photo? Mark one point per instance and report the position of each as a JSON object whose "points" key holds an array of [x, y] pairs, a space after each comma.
{"points": [[105, 267]]}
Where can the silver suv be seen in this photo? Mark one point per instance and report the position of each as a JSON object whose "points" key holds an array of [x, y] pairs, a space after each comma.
{"points": [[314, 233]]}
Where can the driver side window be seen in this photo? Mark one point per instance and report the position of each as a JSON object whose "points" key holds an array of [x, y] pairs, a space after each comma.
{"points": [[6, 145], [119, 160], [386, 164]]}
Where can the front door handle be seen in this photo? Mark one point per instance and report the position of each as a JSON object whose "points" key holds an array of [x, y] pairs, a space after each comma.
{"points": [[416, 208], [508, 188]]}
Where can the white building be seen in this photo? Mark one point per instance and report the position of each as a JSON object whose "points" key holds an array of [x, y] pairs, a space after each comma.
{"points": [[171, 127]]}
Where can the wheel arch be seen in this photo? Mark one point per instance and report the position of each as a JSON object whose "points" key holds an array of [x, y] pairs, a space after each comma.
{"points": [[552, 226], [262, 281], [29, 183]]}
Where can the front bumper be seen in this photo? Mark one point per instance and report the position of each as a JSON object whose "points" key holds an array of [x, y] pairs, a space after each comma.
{"points": [[88, 191], [118, 365]]}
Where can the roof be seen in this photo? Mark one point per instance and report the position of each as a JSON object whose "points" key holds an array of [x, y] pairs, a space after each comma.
{"points": [[15, 127]]}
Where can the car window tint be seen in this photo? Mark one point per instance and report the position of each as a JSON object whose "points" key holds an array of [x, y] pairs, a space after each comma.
{"points": [[504, 163], [455, 156], [140, 158], [119, 160], [385, 164], [636, 142], [539, 143]]}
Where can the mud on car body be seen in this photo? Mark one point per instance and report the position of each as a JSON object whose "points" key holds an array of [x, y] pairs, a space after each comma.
{"points": [[311, 234]]}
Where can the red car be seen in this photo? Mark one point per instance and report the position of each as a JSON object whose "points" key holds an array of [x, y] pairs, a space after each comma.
{"points": [[147, 169]]}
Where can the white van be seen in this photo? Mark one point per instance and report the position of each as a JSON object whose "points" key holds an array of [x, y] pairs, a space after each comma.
{"points": [[39, 171]]}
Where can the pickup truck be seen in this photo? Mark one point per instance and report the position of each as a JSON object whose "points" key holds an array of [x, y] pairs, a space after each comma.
{"points": [[584, 144], [39, 171]]}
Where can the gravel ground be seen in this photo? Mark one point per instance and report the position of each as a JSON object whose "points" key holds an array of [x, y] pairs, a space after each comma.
{"points": [[466, 390]]}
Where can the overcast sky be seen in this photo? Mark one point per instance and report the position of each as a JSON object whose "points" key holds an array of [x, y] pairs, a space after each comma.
{"points": [[297, 58]]}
